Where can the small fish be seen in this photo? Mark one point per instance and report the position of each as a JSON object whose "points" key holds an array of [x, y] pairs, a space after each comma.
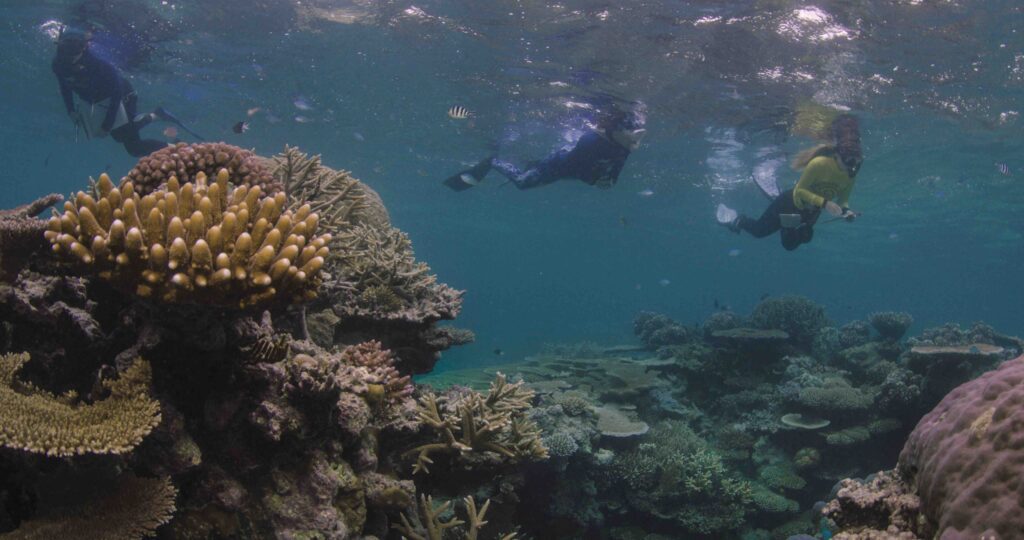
{"points": [[303, 119], [302, 104], [893, 236], [358, 136], [240, 127], [716, 303], [498, 352], [1004, 169], [664, 282], [623, 221], [458, 112], [734, 252], [252, 112], [47, 160], [170, 132], [763, 296], [646, 192]]}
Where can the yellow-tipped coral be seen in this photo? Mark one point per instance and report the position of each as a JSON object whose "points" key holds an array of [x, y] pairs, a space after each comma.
{"points": [[131, 510], [39, 422], [201, 243]]}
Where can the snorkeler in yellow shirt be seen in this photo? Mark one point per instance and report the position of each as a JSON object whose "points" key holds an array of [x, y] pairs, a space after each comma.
{"points": [[828, 176]]}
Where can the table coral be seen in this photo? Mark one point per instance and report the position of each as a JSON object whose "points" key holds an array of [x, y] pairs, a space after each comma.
{"points": [[37, 421], [132, 508], [185, 161], [194, 243], [891, 325]]}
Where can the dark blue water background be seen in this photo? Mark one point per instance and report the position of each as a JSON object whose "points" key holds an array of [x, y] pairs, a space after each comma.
{"points": [[938, 88]]}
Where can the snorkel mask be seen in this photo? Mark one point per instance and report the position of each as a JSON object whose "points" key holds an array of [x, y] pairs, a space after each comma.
{"points": [[629, 138], [846, 134], [852, 164]]}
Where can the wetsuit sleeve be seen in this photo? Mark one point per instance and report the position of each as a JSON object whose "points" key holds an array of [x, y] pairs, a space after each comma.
{"points": [[65, 89], [802, 194], [844, 197]]}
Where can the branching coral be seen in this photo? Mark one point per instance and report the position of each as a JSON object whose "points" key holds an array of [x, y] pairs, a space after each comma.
{"points": [[185, 161], [131, 510], [194, 243], [340, 199], [430, 524], [40, 422], [468, 422], [380, 277], [384, 383]]}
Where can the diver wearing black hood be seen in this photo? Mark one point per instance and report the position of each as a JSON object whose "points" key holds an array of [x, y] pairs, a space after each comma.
{"points": [[108, 101], [596, 158]]}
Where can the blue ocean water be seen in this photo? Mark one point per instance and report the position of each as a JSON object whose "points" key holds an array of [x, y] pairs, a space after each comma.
{"points": [[937, 87]]}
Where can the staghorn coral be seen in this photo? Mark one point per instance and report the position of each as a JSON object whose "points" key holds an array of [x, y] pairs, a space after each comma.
{"points": [[795, 315], [428, 524], [379, 277], [341, 200], [185, 161], [467, 422], [131, 509], [194, 243], [40, 422]]}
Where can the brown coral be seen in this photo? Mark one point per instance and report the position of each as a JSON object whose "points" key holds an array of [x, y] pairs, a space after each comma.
{"points": [[133, 509], [339, 198], [384, 379], [428, 524], [381, 278], [40, 422], [468, 422], [185, 161], [194, 243], [21, 233]]}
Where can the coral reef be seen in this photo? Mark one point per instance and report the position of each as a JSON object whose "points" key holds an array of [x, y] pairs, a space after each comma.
{"points": [[129, 509], [37, 421], [194, 243], [657, 330], [469, 425], [252, 430], [428, 524], [21, 233], [891, 325], [797, 316], [185, 161]]}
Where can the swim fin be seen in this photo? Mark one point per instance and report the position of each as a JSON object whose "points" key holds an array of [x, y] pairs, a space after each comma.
{"points": [[468, 178], [166, 116]]}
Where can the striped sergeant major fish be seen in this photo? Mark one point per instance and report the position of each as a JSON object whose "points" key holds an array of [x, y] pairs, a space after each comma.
{"points": [[458, 112], [1004, 169]]}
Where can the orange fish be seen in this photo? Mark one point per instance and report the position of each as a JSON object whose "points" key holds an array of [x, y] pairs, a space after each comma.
{"points": [[170, 132]]}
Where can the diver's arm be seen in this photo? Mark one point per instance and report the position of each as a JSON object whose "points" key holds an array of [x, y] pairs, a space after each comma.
{"points": [[802, 194]]}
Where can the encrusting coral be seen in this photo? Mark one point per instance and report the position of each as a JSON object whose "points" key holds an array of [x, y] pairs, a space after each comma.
{"points": [[428, 523], [131, 509], [39, 422], [194, 243], [185, 161], [467, 422]]}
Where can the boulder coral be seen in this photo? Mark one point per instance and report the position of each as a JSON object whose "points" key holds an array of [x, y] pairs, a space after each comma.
{"points": [[202, 243], [797, 316], [185, 161]]}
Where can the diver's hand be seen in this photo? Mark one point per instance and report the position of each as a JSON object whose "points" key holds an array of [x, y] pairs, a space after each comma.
{"points": [[833, 208], [850, 215]]}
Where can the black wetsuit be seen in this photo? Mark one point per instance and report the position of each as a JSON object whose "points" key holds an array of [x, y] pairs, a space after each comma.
{"points": [[96, 80], [769, 222], [593, 159]]}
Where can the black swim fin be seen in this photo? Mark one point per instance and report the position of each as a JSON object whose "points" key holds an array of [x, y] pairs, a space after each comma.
{"points": [[166, 116], [468, 178]]}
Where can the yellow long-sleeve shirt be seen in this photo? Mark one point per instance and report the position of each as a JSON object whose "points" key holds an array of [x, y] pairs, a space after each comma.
{"points": [[822, 180]]}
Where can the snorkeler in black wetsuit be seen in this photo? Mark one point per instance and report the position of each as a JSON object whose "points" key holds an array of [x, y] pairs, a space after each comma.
{"points": [[596, 158], [109, 102]]}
